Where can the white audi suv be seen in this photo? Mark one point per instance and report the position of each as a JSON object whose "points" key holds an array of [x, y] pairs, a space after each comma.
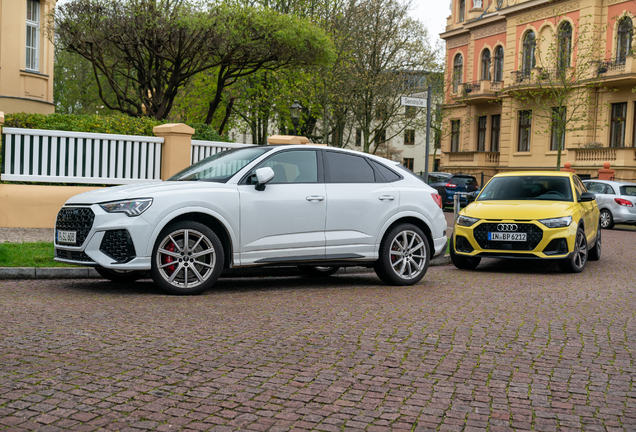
{"points": [[315, 207]]}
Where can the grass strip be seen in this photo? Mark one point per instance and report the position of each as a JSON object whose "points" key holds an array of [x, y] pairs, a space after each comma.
{"points": [[29, 255]]}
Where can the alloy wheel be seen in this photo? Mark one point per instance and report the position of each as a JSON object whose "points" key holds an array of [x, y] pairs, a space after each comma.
{"points": [[186, 258], [580, 250], [408, 254], [605, 219]]}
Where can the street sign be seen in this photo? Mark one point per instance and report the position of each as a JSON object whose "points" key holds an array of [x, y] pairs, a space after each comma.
{"points": [[411, 101]]}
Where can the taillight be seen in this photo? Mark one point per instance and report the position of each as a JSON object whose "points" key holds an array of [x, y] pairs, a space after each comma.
{"points": [[438, 199], [623, 202], [451, 186]]}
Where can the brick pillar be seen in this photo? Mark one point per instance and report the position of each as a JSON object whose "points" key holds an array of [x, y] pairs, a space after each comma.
{"points": [[606, 173], [568, 167], [176, 149]]}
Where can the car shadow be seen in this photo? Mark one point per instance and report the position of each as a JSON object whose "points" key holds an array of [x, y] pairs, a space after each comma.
{"points": [[494, 265]]}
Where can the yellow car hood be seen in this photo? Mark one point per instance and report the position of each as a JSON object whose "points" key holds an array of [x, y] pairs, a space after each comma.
{"points": [[518, 210]]}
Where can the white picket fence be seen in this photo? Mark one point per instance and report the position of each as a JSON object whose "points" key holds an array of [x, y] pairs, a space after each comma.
{"points": [[202, 149], [35, 155]]}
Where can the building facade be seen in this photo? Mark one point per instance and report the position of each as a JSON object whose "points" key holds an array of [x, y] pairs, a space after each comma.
{"points": [[497, 51], [26, 57]]}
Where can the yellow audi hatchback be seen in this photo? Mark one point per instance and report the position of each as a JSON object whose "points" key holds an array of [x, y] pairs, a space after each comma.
{"points": [[539, 214]]}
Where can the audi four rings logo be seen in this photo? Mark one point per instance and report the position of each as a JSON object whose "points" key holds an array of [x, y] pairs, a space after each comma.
{"points": [[507, 227]]}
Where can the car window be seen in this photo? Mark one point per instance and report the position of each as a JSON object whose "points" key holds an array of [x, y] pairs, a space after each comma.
{"points": [[436, 178], [294, 166], [609, 190], [386, 172], [628, 190], [463, 181], [347, 168], [579, 187], [595, 187], [220, 167], [548, 188]]}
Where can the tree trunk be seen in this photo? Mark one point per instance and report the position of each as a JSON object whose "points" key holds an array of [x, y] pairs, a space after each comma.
{"points": [[228, 112]]}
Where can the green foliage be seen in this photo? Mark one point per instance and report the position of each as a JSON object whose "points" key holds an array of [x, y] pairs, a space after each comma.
{"points": [[28, 255], [206, 132]]}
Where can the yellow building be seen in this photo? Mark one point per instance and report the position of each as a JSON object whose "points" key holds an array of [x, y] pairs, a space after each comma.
{"points": [[494, 52], [26, 57]]}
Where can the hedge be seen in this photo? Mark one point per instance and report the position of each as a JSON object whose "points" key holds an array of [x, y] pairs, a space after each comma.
{"points": [[108, 124]]}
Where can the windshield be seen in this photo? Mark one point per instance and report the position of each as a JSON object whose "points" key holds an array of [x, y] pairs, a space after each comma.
{"points": [[463, 181], [220, 166], [548, 188]]}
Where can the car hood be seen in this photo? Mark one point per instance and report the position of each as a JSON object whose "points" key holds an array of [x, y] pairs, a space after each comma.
{"points": [[518, 210], [141, 190]]}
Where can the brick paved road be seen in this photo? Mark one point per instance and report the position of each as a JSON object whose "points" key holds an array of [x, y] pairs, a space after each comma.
{"points": [[508, 346]]}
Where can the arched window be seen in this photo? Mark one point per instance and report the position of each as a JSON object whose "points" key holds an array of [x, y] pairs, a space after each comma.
{"points": [[528, 60], [462, 9], [485, 65], [624, 39], [498, 67], [565, 45], [499, 3], [458, 66]]}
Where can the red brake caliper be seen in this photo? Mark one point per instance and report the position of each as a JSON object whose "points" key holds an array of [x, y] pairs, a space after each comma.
{"points": [[168, 259]]}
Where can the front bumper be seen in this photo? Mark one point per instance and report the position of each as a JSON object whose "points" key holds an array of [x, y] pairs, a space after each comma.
{"points": [[543, 242]]}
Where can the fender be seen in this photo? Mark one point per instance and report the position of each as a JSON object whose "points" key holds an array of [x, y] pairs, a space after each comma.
{"points": [[402, 215], [191, 209]]}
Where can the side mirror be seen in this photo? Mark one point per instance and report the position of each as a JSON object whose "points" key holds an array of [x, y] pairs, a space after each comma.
{"points": [[263, 176], [587, 196]]}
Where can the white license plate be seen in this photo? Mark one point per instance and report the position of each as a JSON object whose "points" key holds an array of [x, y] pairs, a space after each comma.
{"points": [[496, 236], [67, 237]]}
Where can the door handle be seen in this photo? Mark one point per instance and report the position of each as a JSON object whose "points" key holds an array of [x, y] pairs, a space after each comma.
{"points": [[386, 197], [315, 198]]}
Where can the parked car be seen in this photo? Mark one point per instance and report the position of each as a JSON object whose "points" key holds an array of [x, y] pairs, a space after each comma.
{"points": [[616, 201], [308, 206], [448, 184], [545, 215]]}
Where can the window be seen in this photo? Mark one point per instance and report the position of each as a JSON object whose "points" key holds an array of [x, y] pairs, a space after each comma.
{"points": [[380, 137], [410, 111], [388, 174], [597, 188], [624, 39], [408, 163], [565, 45], [381, 111], [528, 60], [558, 121], [32, 35], [579, 187], [481, 133], [494, 135], [485, 65], [346, 168], [609, 190], [499, 3], [617, 128], [462, 9], [294, 166], [358, 137], [457, 71], [525, 122], [454, 135], [628, 190], [409, 137], [498, 67]]}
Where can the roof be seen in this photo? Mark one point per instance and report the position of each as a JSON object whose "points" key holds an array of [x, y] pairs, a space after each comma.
{"points": [[534, 173]]}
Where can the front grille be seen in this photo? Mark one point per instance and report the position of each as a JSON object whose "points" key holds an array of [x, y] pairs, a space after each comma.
{"points": [[535, 235], [78, 219], [118, 245], [72, 255]]}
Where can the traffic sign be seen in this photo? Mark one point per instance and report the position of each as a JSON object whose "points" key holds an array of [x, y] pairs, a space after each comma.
{"points": [[411, 101]]}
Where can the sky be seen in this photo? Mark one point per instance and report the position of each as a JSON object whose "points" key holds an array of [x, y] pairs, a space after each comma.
{"points": [[433, 14]]}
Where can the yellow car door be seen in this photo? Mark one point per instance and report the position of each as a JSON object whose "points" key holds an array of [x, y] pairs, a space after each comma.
{"points": [[589, 210]]}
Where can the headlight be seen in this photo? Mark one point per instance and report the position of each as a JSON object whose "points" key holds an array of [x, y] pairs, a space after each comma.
{"points": [[129, 207], [561, 222], [466, 221]]}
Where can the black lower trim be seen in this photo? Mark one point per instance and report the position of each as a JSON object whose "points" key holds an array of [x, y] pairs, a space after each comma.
{"points": [[310, 258]]}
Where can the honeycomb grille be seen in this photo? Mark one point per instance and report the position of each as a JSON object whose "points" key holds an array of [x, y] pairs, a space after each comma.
{"points": [[535, 235], [118, 245], [72, 255], [78, 219]]}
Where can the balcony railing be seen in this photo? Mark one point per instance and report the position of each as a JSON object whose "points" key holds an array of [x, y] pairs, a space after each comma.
{"points": [[615, 64], [474, 158], [471, 87], [496, 86], [619, 156]]}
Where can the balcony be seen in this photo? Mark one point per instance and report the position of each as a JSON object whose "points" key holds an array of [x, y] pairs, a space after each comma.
{"points": [[616, 71], [617, 156], [472, 158], [479, 91]]}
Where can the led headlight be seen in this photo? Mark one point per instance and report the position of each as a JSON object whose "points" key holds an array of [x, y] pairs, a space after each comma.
{"points": [[466, 221], [561, 222], [131, 208]]}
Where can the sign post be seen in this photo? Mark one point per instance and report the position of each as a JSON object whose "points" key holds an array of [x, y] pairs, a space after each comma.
{"points": [[428, 132]]}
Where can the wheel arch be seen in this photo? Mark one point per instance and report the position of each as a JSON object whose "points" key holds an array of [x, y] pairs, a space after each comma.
{"points": [[421, 224]]}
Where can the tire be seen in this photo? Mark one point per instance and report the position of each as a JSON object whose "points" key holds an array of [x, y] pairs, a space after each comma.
{"points": [[121, 276], [318, 271], [404, 256], [595, 253], [576, 264], [606, 219], [207, 262], [462, 262]]}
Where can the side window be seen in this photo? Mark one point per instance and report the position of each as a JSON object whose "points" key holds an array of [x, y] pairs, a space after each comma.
{"points": [[346, 168], [387, 173], [595, 187], [295, 166], [609, 190], [578, 186]]}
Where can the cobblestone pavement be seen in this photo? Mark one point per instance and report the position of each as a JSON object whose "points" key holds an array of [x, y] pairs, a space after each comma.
{"points": [[508, 346]]}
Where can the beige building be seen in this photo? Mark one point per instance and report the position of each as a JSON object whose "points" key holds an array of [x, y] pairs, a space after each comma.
{"points": [[492, 57], [26, 57]]}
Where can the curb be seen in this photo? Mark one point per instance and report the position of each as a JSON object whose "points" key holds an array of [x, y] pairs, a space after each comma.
{"points": [[90, 273]]}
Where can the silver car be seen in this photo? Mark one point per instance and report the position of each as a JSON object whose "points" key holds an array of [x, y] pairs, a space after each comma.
{"points": [[616, 200]]}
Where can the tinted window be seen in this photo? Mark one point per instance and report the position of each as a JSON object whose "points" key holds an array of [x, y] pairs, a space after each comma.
{"points": [[346, 168], [595, 187], [464, 181], [549, 188], [609, 190], [387, 173], [628, 190], [296, 166], [437, 178]]}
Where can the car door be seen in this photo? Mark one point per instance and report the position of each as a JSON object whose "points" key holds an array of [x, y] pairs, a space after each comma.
{"points": [[286, 220], [588, 210], [598, 189], [359, 202]]}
